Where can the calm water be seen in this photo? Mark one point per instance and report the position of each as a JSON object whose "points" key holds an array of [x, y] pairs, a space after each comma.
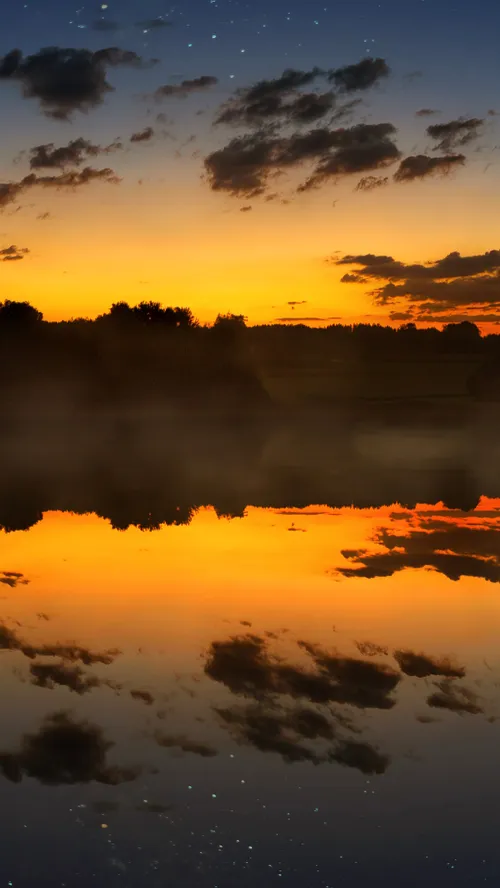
{"points": [[302, 697]]}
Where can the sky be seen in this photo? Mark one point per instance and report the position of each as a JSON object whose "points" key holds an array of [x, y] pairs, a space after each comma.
{"points": [[294, 160]]}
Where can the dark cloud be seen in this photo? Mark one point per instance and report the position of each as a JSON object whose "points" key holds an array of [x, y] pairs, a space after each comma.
{"points": [[66, 80], [455, 550], [455, 698], [64, 751], [246, 209], [455, 134], [247, 163], [360, 76], [181, 90], [426, 112], [300, 108], [369, 649], [185, 744], [9, 192], [444, 285], [269, 731], [353, 279], [10, 640], [49, 675], [287, 83], [144, 696], [362, 147], [303, 319], [420, 166], [144, 135], [288, 732], [243, 166], [11, 254], [71, 179], [371, 183], [309, 107], [13, 578], [73, 154], [423, 666], [245, 665], [453, 265], [362, 756]]}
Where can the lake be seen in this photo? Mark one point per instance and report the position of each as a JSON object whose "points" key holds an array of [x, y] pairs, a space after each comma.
{"points": [[302, 696]]}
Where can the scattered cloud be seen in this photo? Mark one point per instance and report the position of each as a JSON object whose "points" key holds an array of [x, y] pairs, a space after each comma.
{"points": [[455, 134], [455, 698], [360, 76], [73, 677], [371, 183], [423, 666], [73, 154], [64, 751], [144, 135], [10, 640], [245, 666], [11, 191], [245, 166], [420, 166], [470, 283], [13, 578], [369, 649], [11, 254], [184, 89], [455, 550], [66, 80], [426, 112]]}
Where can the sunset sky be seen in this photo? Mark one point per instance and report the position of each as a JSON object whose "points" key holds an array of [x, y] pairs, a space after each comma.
{"points": [[252, 213]]}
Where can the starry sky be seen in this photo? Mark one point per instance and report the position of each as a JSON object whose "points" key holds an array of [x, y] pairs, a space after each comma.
{"points": [[287, 160]]}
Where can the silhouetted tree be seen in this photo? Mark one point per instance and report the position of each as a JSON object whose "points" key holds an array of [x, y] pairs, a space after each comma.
{"points": [[19, 315]]}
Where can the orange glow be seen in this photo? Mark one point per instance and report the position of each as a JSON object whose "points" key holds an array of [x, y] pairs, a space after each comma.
{"points": [[133, 589]]}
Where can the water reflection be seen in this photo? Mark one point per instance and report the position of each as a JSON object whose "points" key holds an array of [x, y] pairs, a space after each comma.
{"points": [[287, 695]]}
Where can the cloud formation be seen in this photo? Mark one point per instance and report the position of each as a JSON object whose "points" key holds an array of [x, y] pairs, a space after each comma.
{"points": [[10, 640], [11, 191], [371, 183], [455, 134], [13, 578], [66, 80], [455, 698], [280, 100], [245, 166], [423, 666], [73, 154], [420, 166], [453, 549], [470, 283], [64, 751], [144, 135], [73, 677], [360, 76], [184, 89], [12, 254]]}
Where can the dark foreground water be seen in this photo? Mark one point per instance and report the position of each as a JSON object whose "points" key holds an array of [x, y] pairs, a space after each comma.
{"points": [[304, 695]]}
